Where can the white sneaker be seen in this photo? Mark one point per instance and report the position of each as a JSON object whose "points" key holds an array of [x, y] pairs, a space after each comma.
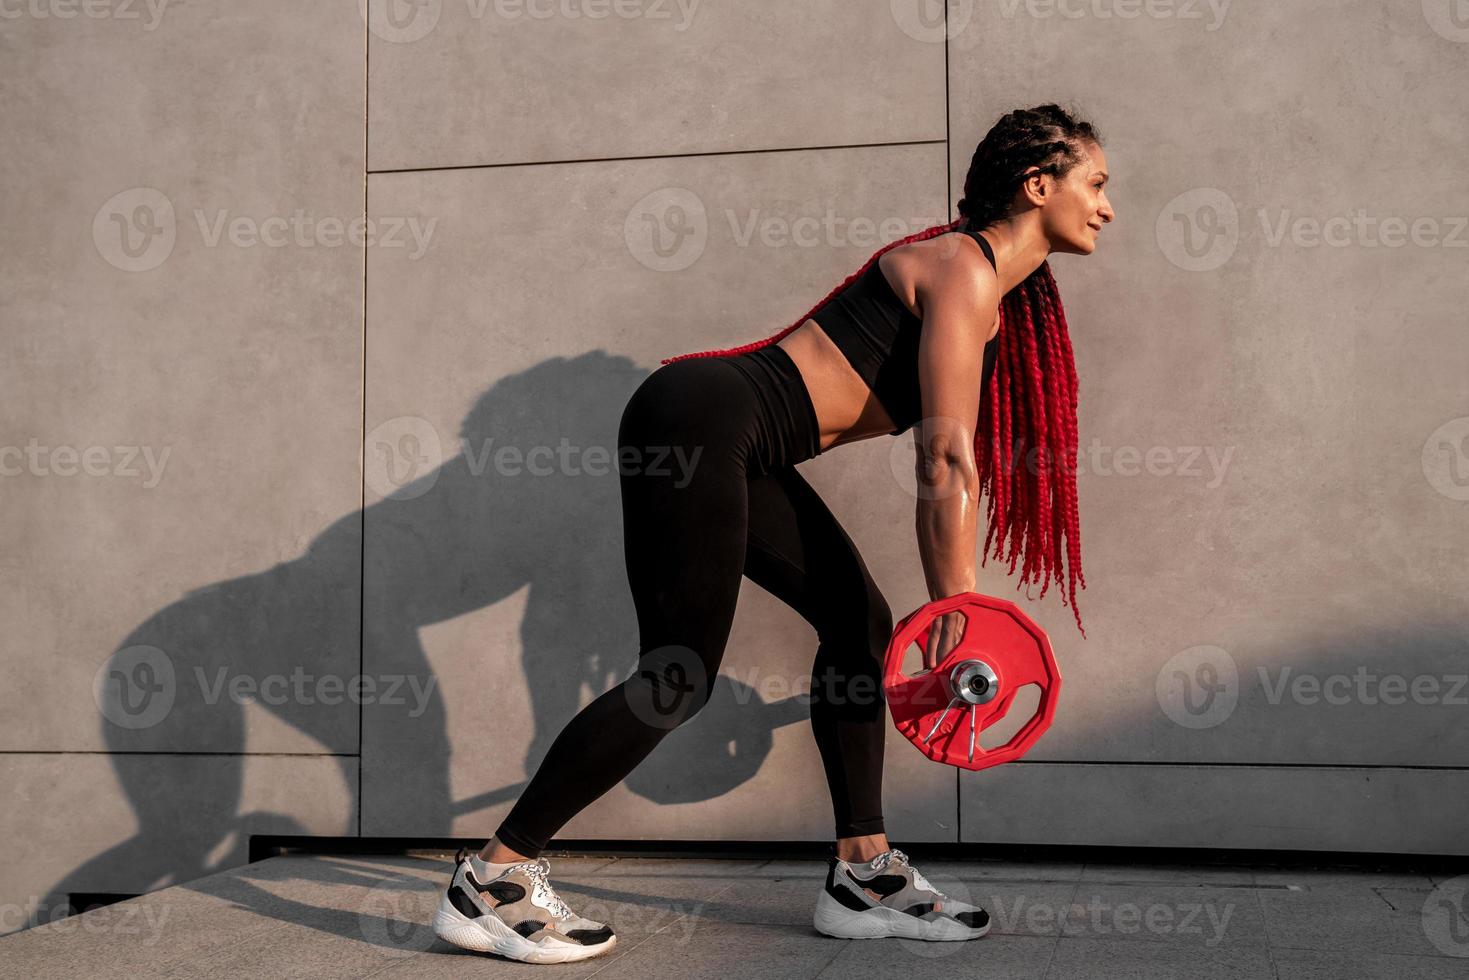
{"points": [[892, 898], [516, 914]]}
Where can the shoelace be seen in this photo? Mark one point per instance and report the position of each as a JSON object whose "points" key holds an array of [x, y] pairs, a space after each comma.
{"points": [[537, 871], [888, 857]]}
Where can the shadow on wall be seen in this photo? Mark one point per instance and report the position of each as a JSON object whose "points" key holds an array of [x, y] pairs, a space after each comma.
{"points": [[458, 536]]}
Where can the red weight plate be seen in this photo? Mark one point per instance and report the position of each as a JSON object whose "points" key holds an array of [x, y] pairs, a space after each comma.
{"points": [[998, 641]]}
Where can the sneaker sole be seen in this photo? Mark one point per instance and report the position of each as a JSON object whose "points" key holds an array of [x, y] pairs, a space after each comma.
{"points": [[836, 920], [488, 934]]}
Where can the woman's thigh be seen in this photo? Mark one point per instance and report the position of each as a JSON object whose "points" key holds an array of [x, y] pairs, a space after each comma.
{"points": [[684, 442], [798, 551]]}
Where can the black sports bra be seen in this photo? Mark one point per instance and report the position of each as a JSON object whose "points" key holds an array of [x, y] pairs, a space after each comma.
{"points": [[879, 337]]}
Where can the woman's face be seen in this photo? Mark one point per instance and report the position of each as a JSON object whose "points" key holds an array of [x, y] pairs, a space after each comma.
{"points": [[1077, 208]]}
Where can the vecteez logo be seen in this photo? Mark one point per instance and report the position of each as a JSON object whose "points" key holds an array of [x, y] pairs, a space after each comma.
{"points": [[1446, 458], [667, 230], [137, 229], [400, 21], [1199, 229], [1449, 19], [1198, 687], [1445, 917], [148, 14], [401, 457], [135, 687]]}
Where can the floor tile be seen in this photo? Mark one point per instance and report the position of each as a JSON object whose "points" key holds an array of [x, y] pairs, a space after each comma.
{"points": [[1193, 874], [1191, 915], [1305, 964], [700, 948], [1115, 959], [1356, 920], [993, 956]]}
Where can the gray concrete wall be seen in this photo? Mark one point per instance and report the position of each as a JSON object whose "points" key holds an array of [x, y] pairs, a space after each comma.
{"points": [[264, 572]]}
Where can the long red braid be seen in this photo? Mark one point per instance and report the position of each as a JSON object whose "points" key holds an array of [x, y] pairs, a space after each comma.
{"points": [[1028, 414]]}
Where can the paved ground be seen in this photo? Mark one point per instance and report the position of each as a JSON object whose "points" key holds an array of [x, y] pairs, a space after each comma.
{"points": [[367, 916]]}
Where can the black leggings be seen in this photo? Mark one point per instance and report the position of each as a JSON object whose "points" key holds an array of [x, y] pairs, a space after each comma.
{"points": [[690, 530]]}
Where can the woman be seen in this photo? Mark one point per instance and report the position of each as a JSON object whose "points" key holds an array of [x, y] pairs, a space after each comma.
{"points": [[959, 334]]}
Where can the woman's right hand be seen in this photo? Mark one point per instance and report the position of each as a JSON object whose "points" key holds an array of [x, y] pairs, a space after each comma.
{"points": [[944, 634]]}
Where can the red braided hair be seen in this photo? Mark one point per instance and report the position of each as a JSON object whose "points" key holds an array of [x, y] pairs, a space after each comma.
{"points": [[1028, 413]]}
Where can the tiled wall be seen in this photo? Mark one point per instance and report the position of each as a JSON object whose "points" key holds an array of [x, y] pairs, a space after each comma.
{"points": [[263, 571]]}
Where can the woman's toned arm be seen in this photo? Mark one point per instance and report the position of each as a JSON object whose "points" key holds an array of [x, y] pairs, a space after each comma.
{"points": [[959, 303]]}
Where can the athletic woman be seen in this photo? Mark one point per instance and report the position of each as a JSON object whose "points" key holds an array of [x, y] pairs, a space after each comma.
{"points": [[957, 333]]}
